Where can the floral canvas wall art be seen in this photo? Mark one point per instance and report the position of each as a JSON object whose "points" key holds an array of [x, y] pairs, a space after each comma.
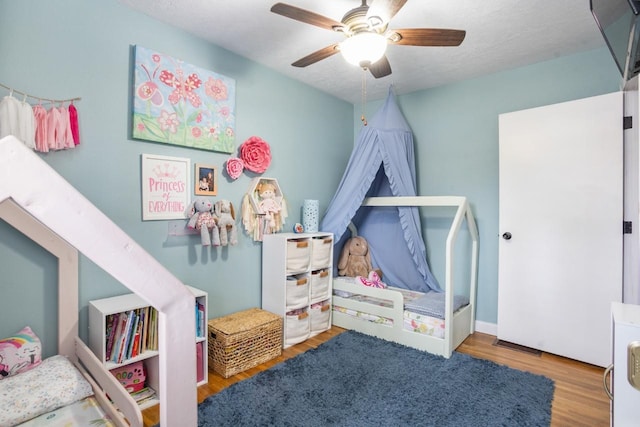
{"points": [[181, 104]]}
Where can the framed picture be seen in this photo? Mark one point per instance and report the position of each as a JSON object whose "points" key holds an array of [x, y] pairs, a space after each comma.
{"points": [[178, 103], [165, 187], [206, 180]]}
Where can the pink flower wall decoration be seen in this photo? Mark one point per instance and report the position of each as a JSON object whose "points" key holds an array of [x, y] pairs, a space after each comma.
{"points": [[256, 154], [235, 166]]}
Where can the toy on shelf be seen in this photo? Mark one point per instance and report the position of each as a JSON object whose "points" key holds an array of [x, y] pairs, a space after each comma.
{"points": [[264, 209], [201, 217]]}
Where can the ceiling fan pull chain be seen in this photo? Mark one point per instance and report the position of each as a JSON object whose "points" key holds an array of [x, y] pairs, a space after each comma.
{"points": [[364, 95]]}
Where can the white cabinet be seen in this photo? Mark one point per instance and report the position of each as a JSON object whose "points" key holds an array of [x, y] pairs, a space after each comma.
{"points": [[296, 282], [109, 318], [625, 333]]}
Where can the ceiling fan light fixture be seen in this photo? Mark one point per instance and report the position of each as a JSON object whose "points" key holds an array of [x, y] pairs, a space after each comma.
{"points": [[363, 49]]}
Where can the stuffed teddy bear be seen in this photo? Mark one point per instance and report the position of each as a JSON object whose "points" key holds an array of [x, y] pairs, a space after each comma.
{"points": [[226, 215], [355, 259], [201, 217]]}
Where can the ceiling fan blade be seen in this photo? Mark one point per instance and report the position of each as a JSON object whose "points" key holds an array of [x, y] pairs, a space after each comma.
{"points": [[427, 37], [316, 56], [305, 16], [385, 9], [381, 68]]}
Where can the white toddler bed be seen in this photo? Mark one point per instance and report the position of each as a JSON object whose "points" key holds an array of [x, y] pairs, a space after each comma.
{"points": [[382, 312], [68, 389]]}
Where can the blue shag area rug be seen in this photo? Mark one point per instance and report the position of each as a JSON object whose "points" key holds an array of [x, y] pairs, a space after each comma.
{"points": [[357, 380]]}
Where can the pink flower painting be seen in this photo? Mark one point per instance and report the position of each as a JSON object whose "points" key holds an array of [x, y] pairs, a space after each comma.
{"points": [[178, 103]]}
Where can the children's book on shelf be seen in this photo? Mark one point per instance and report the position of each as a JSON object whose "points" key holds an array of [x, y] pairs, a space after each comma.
{"points": [[200, 320], [143, 395], [112, 324], [200, 365], [119, 336], [143, 337], [130, 333], [126, 337]]}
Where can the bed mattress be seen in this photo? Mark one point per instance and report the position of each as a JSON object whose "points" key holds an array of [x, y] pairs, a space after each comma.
{"points": [[423, 313], [82, 413]]}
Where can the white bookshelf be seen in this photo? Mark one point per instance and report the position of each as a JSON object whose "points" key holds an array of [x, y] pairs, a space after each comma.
{"points": [[100, 309]]}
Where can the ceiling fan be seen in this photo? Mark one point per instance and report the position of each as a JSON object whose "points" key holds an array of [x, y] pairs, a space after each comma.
{"points": [[367, 32]]}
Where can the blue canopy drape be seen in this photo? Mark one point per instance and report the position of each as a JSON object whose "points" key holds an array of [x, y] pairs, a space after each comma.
{"points": [[383, 164]]}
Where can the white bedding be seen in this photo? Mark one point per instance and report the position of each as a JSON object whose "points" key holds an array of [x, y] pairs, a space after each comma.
{"points": [[418, 306], [413, 322], [53, 384], [85, 412]]}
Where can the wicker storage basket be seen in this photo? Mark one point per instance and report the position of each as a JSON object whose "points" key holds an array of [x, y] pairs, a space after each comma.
{"points": [[243, 340]]}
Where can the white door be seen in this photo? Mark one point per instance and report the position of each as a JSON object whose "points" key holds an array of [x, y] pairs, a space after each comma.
{"points": [[560, 250]]}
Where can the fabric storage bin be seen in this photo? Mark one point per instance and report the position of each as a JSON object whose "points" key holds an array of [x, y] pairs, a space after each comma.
{"points": [[298, 255], [297, 291], [319, 284], [296, 327], [243, 340], [321, 251], [319, 316]]}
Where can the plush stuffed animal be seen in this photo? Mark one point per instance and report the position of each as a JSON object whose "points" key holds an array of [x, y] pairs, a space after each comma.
{"points": [[373, 281], [223, 209], [355, 259], [268, 203], [201, 217]]}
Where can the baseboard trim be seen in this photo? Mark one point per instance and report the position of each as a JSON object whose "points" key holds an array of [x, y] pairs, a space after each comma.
{"points": [[487, 328]]}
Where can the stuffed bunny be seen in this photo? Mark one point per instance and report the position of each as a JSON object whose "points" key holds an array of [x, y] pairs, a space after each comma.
{"points": [[355, 259], [223, 209], [201, 217]]}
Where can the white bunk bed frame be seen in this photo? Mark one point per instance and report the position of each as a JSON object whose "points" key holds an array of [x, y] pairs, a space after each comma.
{"points": [[62, 221], [458, 325]]}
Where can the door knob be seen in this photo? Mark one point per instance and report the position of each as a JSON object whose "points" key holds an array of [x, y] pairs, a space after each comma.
{"points": [[506, 236]]}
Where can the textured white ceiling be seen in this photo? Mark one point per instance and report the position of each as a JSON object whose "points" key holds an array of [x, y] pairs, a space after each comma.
{"points": [[501, 34]]}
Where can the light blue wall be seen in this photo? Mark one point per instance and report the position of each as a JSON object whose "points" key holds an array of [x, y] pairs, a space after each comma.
{"points": [[456, 136], [82, 48], [79, 48]]}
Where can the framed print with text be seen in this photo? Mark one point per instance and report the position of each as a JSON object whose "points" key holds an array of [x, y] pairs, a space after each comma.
{"points": [[166, 188]]}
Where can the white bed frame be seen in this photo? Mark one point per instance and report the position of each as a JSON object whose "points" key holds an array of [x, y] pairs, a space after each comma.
{"points": [[69, 344], [458, 325], [60, 219]]}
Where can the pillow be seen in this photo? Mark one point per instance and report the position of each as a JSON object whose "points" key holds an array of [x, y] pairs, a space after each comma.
{"points": [[52, 384], [19, 353]]}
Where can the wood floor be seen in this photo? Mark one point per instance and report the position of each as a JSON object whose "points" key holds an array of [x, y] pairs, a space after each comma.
{"points": [[579, 399]]}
